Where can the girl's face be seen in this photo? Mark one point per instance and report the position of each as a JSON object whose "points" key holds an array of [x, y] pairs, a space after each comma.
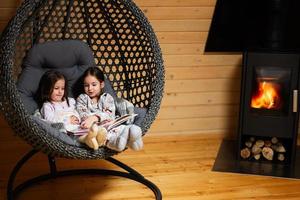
{"points": [[93, 87], [58, 91]]}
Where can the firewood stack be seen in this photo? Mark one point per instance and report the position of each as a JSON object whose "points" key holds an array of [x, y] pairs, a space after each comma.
{"points": [[269, 149]]}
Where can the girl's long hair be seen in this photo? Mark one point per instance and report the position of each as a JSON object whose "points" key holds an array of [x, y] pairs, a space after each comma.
{"points": [[46, 87]]}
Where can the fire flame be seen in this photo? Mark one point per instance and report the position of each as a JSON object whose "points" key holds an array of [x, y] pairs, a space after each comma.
{"points": [[267, 96]]}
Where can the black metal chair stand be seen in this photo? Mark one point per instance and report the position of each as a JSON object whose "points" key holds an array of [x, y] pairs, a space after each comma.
{"points": [[13, 192]]}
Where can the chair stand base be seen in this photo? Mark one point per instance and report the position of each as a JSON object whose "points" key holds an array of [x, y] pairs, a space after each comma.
{"points": [[13, 192]]}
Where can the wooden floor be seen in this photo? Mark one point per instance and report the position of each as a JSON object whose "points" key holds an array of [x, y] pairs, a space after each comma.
{"points": [[179, 165]]}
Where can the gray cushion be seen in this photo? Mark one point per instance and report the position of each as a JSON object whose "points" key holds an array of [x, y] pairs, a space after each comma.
{"points": [[59, 54], [140, 117]]}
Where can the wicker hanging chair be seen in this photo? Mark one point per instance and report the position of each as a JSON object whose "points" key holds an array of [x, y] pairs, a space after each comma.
{"points": [[124, 46]]}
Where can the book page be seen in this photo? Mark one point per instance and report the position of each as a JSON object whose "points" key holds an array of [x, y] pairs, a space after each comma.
{"points": [[114, 123]]}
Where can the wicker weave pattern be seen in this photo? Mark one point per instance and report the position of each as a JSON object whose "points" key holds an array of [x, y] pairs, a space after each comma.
{"points": [[124, 45]]}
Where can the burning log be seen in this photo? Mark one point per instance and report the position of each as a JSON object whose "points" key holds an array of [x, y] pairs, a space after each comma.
{"points": [[268, 153], [267, 96]]}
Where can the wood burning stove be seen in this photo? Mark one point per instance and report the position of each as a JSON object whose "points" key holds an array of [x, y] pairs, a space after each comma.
{"points": [[268, 122], [268, 117]]}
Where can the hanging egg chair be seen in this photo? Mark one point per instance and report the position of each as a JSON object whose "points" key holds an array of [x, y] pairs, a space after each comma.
{"points": [[123, 45]]}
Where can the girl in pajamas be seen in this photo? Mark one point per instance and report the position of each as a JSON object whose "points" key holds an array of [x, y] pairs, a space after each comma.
{"points": [[94, 106], [56, 106]]}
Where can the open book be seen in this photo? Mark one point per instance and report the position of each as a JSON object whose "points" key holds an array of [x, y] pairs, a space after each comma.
{"points": [[108, 124], [116, 122]]}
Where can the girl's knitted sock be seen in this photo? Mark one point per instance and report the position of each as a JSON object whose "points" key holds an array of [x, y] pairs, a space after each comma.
{"points": [[116, 141], [135, 141]]}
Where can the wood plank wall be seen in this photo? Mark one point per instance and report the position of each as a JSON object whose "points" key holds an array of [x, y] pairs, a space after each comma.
{"points": [[202, 90]]}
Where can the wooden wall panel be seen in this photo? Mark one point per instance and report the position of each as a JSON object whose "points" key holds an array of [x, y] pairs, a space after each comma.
{"points": [[181, 25], [176, 3], [183, 49], [202, 72], [6, 14], [7, 10], [202, 98], [2, 25], [204, 85], [198, 60], [197, 111], [10, 3], [177, 13], [202, 90], [181, 37]]}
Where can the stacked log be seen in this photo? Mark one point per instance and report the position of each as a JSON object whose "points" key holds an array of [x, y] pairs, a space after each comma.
{"points": [[271, 149]]}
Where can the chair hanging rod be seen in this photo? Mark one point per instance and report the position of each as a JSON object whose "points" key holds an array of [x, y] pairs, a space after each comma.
{"points": [[40, 29], [86, 19], [116, 37], [67, 18]]}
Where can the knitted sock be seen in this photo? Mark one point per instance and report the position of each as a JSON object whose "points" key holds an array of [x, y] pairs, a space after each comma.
{"points": [[117, 141], [135, 141]]}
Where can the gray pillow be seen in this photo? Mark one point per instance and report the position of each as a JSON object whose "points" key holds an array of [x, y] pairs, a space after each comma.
{"points": [[140, 117], [70, 57]]}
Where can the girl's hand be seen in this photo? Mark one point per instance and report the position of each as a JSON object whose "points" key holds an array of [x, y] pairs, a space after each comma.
{"points": [[88, 122], [74, 119]]}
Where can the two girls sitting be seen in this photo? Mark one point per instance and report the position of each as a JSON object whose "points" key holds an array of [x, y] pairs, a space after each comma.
{"points": [[92, 106]]}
